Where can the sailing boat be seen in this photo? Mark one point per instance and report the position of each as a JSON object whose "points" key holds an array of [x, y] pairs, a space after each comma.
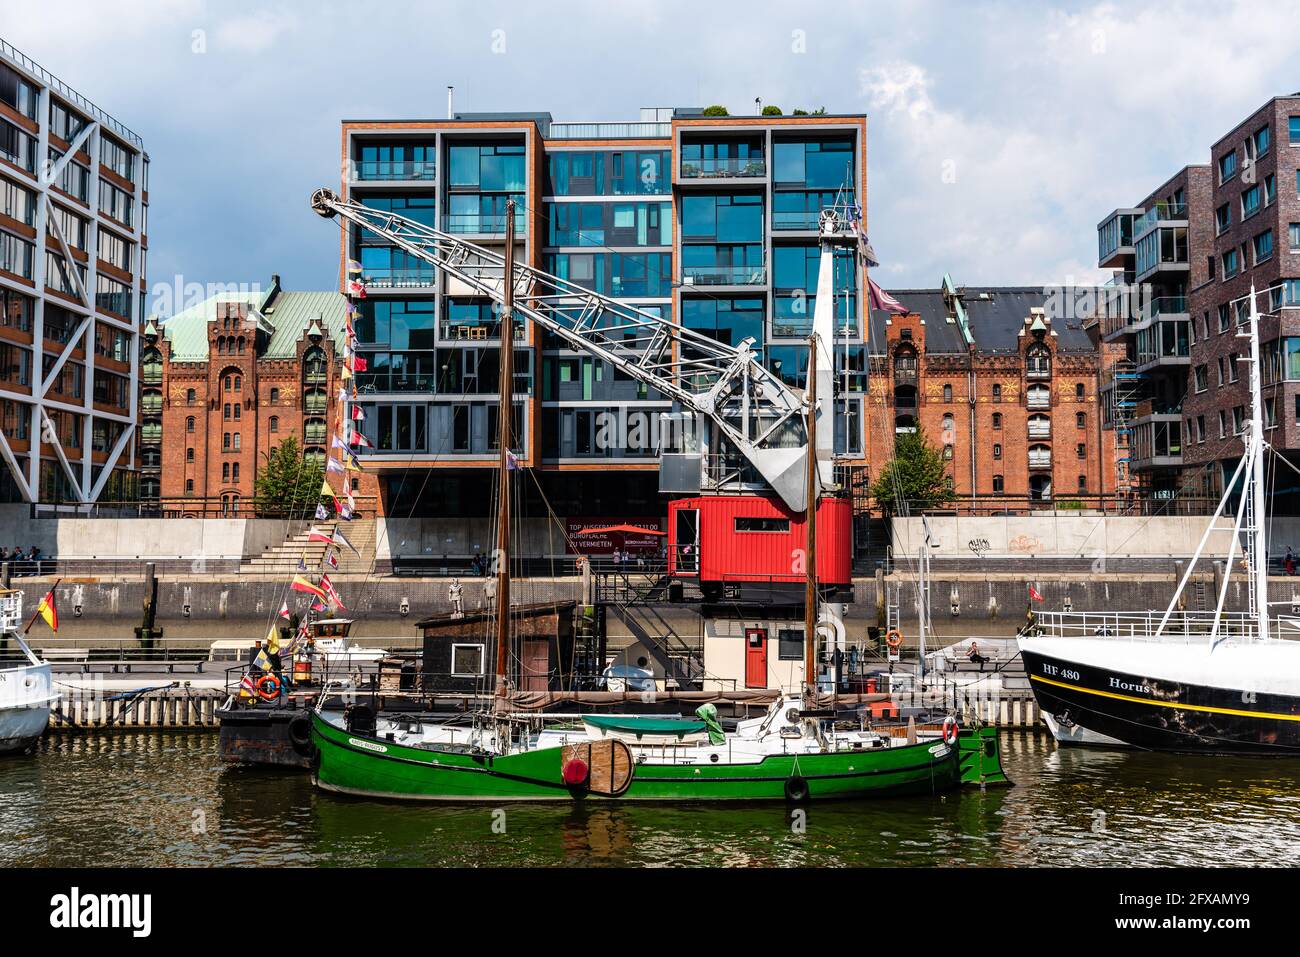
{"points": [[1216, 682], [791, 753], [26, 695]]}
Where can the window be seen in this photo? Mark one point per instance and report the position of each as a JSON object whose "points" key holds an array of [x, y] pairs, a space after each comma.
{"points": [[1081, 450], [762, 524], [1263, 246], [225, 471], [1200, 428], [1078, 390], [1222, 218], [225, 411], [274, 424], [225, 441], [997, 420], [947, 392], [1227, 166], [1223, 419], [189, 455], [190, 396], [189, 486], [789, 644], [234, 472], [467, 661], [275, 395], [997, 450], [1293, 128], [997, 392], [1202, 378], [998, 485], [1038, 362], [189, 424], [1251, 201], [236, 437], [1270, 189], [1081, 420], [947, 452], [1262, 139], [1293, 234], [1232, 367], [1083, 483], [1229, 264]]}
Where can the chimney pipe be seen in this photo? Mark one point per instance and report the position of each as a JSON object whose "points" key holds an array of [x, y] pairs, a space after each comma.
{"points": [[451, 113]]}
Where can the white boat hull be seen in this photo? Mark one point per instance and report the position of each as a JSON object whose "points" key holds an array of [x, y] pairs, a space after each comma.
{"points": [[25, 702]]}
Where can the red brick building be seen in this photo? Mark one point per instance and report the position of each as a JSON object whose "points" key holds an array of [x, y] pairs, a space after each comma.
{"points": [[1002, 384], [228, 380]]}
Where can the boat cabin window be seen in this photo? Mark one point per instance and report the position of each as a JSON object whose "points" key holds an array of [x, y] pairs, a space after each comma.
{"points": [[790, 644], [762, 525]]}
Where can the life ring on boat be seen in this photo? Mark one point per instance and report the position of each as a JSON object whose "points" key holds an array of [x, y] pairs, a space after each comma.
{"points": [[893, 638], [796, 789], [300, 734], [262, 683], [950, 730], [575, 772]]}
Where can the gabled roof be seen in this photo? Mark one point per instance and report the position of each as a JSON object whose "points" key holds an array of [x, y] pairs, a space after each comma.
{"points": [[283, 316], [995, 315]]}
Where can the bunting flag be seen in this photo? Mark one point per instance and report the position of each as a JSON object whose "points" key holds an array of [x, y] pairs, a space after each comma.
{"points": [[261, 661], [360, 440], [350, 462], [331, 592], [337, 443], [339, 539], [318, 605], [512, 463], [322, 513], [1033, 594], [345, 513], [345, 373], [246, 684], [358, 414], [333, 465], [302, 563], [304, 585], [326, 489], [316, 535], [882, 300], [343, 394], [48, 611], [354, 266], [284, 610], [332, 560], [273, 640], [356, 288], [359, 364]]}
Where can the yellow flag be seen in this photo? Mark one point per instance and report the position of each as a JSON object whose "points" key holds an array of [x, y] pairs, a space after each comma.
{"points": [[273, 640], [326, 489]]}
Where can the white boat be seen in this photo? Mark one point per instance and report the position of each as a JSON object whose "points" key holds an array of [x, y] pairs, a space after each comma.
{"points": [[26, 691], [1216, 681]]}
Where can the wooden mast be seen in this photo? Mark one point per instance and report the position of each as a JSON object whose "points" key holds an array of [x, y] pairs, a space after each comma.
{"points": [[810, 524], [505, 418]]}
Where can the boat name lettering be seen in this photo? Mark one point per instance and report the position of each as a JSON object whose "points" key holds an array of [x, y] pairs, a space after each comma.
{"points": [[1129, 686], [1068, 674], [939, 750], [368, 745]]}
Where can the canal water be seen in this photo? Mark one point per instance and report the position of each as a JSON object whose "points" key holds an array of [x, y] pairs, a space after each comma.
{"points": [[153, 799]]}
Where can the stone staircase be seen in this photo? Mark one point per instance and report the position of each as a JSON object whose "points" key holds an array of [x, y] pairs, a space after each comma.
{"points": [[283, 558]]}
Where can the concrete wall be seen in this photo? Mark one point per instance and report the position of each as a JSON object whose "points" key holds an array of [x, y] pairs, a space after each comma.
{"points": [[213, 538], [1074, 535]]}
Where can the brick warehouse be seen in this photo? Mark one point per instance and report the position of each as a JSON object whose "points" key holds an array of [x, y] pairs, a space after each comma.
{"points": [[1007, 389], [231, 378]]}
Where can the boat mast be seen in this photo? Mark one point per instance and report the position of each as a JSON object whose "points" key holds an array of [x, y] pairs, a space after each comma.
{"points": [[810, 550], [1259, 545], [505, 417]]}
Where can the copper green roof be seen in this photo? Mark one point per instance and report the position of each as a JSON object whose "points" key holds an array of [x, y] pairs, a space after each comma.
{"points": [[284, 316]]}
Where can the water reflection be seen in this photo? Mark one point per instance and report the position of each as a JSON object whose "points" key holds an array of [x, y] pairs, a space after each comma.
{"points": [[138, 799]]}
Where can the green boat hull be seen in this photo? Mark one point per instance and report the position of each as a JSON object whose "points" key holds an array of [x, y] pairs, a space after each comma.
{"points": [[981, 759], [368, 767]]}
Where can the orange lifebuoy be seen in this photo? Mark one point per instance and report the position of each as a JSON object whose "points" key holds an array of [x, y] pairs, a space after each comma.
{"points": [[893, 638], [950, 730], [261, 687]]}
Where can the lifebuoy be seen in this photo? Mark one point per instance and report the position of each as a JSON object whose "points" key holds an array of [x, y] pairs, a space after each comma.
{"points": [[893, 638], [796, 789], [274, 682], [300, 734], [950, 730], [575, 772]]}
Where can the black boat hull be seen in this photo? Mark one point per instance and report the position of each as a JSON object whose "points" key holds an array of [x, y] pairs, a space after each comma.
{"points": [[1161, 715]]}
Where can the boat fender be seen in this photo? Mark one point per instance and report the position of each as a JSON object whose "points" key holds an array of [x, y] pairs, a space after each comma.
{"points": [[950, 730], [796, 789], [574, 772], [274, 687], [300, 734], [893, 638]]}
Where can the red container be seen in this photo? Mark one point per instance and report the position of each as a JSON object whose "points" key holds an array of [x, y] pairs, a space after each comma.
{"points": [[756, 538]]}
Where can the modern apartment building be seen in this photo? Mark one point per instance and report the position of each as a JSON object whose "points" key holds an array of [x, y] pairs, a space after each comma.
{"points": [[1004, 380], [73, 220], [710, 220], [1184, 259], [228, 380]]}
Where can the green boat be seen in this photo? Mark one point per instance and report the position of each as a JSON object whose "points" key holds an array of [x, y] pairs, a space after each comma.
{"points": [[782, 756]]}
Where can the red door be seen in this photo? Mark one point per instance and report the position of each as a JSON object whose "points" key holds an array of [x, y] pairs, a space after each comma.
{"points": [[755, 657], [535, 665]]}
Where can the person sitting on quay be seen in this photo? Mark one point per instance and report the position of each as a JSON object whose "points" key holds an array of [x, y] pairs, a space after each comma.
{"points": [[973, 653]]}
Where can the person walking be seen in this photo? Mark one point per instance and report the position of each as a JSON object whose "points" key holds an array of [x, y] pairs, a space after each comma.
{"points": [[1288, 563]]}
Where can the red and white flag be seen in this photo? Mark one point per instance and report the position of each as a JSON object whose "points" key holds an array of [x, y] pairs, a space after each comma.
{"points": [[328, 587], [883, 300], [284, 609], [1033, 594]]}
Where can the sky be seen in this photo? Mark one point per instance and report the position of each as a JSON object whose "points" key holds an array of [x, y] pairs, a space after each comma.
{"points": [[999, 133]]}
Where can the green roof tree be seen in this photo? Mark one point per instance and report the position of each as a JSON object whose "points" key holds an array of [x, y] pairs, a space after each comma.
{"points": [[716, 110], [915, 478], [289, 485], [771, 111]]}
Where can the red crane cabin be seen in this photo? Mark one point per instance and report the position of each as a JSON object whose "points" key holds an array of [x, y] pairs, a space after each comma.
{"points": [[727, 540]]}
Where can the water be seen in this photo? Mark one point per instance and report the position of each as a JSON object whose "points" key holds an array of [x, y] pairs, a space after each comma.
{"points": [[167, 799]]}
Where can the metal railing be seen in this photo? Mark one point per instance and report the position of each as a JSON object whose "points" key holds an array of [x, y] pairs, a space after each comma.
{"points": [[1110, 504], [600, 131], [480, 224], [1192, 627], [725, 167], [184, 506], [724, 275], [394, 170]]}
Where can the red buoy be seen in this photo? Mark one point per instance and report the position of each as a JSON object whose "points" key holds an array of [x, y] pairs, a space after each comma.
{"points": [[574, 771]]}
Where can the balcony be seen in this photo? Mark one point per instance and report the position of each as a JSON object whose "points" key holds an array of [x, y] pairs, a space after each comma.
{"points": [[374, 383], [1156, 443], [1173, 214], [1163, 249], [479, 331], [394, 170], [608, 131], [789, 221], [480, 224], [754, 167], [1115, 238], [724, 275], [398, 277]]}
